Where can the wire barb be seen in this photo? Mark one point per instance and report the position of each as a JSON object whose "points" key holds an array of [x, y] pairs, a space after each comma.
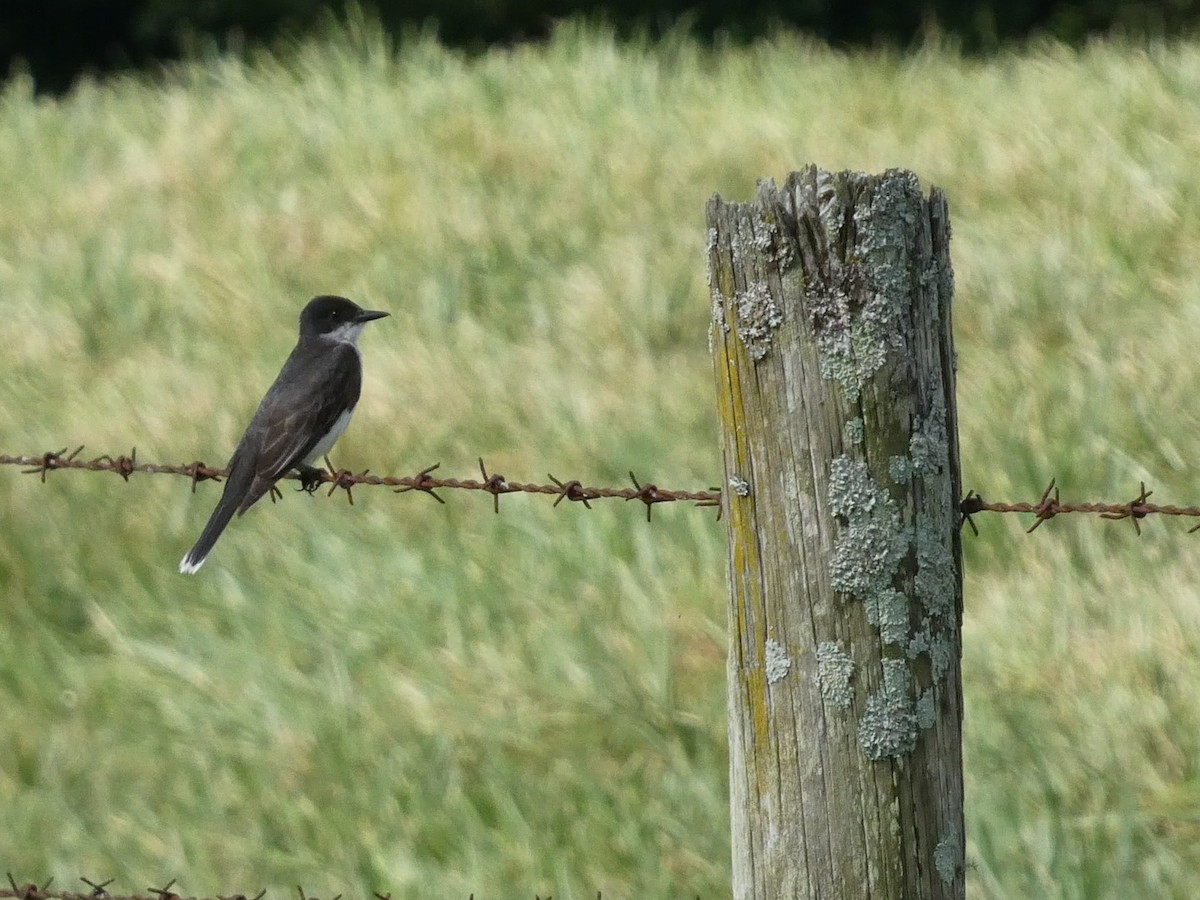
{"points": [[1047, 508], [165, 892], [343, 479], [571, 490], [122, 465], [971, 504], [257, 896], [494, 485], [1135, 510], [29, 891], [713, 500], [423, 482], [201, 472], [648, 494], [52, 459], [98, 889]]}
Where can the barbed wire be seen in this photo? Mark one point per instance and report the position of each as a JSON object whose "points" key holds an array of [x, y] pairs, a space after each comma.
{"points": [[1050, 505], [343, 479], [1046, 508], [99, 891]]}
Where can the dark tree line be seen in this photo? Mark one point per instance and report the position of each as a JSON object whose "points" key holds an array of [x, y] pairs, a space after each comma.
{"points": [[57, 40]]}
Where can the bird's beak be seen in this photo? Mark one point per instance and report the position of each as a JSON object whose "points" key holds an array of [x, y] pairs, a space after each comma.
{"points": [[370, 315]]}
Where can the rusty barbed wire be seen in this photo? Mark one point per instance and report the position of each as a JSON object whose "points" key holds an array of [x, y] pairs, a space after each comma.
{"points": [[1050, 505], [1047, 507], [32, 891], [346, 480], [99, 892]]}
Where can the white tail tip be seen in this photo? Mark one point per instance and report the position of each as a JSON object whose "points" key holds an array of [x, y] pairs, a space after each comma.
{"points": [[189, 566]]}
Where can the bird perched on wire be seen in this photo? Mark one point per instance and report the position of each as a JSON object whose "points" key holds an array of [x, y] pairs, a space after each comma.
{"points": [[303, 413]]}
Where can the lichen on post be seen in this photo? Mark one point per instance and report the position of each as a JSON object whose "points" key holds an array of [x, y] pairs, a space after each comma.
{"points": [[834, 362]]}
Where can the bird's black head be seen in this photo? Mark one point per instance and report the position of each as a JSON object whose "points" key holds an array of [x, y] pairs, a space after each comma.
{"points": [[335, 317]]}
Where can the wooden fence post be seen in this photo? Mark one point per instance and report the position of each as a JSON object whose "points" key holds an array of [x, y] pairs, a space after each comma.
{"points": [[834, 363]]}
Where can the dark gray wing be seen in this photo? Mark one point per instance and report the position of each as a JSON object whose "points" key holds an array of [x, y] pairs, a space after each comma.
{"points": [[318, 383]]}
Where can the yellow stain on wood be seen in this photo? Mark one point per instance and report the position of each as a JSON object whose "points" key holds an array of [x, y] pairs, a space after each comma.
{"points": [[746, 578]]}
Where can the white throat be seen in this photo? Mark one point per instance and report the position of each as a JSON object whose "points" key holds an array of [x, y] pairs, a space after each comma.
{"points": [[345, 334]]}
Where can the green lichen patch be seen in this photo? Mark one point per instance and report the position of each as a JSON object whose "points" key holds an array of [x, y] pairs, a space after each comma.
{"points": [[900, 469], [937, 577], [854, 328], [757, 316], [934, 640], [887, 610], [929, 445], [873, 542], [860, 309], [888, 727], [852, 431], [777, 662], [926, 709], [718, 311], [835, 674], [947, 856]]}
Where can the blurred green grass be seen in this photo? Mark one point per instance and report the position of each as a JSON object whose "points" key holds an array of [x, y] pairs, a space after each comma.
{"points": [[432, 700]]}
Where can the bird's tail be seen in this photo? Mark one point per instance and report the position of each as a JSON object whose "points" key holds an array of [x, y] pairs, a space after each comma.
{"points": [[194, 558]]}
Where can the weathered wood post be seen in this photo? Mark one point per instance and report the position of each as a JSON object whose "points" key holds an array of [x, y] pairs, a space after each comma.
{"points": [[834, 363]]}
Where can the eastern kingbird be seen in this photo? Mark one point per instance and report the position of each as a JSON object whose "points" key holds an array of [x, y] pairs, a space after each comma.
{"points": [[303, 413]]}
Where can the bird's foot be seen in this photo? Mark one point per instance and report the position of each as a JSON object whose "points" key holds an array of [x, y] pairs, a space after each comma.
{"points": [[311, 478]]}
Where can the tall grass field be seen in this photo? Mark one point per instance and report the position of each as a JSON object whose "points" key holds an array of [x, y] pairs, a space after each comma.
{"points": [[433, 700]]}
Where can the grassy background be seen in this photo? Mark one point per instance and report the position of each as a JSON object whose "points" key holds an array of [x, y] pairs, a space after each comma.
{"points": [[433, 700]]}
